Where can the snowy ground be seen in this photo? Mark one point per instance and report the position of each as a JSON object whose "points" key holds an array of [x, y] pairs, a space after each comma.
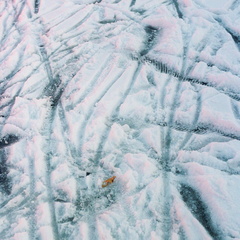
{"points": [[144, 90]]}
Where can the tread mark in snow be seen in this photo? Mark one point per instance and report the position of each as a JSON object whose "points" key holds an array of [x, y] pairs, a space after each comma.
{"points": [[175, 2], [133, 2], [104, 137], [87, 117], [14, 33], [5, 184], [234, 5], [115, 114], [194, 122], [166, 143], [32, 205], [151, 39], [62, 20], [164, 68], [235, 109], [199, 209], [200, 129], [73, 28], [235, 37], [36, 6], [16, 16], [8, 140]]}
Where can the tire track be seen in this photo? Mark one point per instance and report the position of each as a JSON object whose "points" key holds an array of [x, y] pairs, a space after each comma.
{"points": [[166, 222], [200, 48], [15, 20], [5, 184], [114, 115], [45, 60], [97, 32], [72, 151], [234, 5], [164, 68], [15, 70], [98, 155], [32, 222], [194, 122], [102, 73], [167, 157], [64, 19], [91, 108], [7, 33], [235, 110], [168, 139], [8, 140], [53, 217], [54, 91], [46, 134], [234, 35], [200, 210], [7, 54], [74, 27], [200, 129], [176, 5], [93, 82], [36, 6], [90, 112]]}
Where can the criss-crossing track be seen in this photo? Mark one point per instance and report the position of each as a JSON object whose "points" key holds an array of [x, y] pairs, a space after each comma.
{"points": [[147, 91]]}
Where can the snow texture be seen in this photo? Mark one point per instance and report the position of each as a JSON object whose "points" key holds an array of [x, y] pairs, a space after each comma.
{"points": [[144, 90]]}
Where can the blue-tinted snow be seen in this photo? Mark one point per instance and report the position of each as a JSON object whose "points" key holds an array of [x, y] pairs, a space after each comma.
{"points": [[147, 91]]}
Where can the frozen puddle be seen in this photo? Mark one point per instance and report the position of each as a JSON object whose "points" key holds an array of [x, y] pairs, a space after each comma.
{"points": [[146, 91]]}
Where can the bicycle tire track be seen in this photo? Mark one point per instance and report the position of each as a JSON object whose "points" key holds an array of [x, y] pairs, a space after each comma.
{"points": [[46, 133], [71, 47], [91, 108], [164, 68], [85, 123], [104, 137], [32, 205], [36, 6], [94, 81], [194, 121]]}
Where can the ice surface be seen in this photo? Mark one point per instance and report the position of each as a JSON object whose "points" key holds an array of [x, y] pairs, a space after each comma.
{"points": [[144, 90]]}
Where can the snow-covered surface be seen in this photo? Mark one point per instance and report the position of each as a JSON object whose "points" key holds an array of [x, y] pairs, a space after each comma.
{"points": [[144, 90]]}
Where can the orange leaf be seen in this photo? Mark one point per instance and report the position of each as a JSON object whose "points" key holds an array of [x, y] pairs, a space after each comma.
{"points": [[108, 181]]}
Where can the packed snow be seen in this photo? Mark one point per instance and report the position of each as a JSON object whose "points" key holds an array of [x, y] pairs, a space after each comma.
{"points": [[147, 91]]}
